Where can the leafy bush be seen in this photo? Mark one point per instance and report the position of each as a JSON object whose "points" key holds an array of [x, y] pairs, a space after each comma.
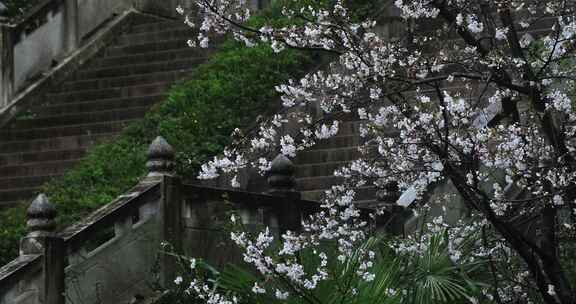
{"points": [[197, 118], [18, 7], [429, 277]]}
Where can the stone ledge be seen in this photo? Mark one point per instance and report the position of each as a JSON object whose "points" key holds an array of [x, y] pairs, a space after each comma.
{"points": [[12, 272]]}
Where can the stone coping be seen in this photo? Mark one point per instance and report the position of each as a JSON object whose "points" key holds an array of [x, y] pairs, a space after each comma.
{"points": [[12, 272]]}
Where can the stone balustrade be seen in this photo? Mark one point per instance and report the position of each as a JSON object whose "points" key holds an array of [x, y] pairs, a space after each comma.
{"points": [[39, 40], [114, 255], [36, 43]]}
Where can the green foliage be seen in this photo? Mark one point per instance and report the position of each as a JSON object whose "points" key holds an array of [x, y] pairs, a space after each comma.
{"points": [[11, 229], [19, 7], [429, 276], [435, 278], [197, 118]]}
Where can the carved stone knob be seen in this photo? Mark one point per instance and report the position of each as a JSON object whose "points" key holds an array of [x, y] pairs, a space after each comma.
{"points": [[281, 174], [41, 216], [160, 158]]}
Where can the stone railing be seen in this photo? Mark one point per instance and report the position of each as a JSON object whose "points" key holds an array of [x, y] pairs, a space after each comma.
{"points": [[115, 255], [43, 47], [40, 39]]}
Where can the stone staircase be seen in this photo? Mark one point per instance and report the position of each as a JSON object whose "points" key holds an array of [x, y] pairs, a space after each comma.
{"points": [[112, 90], [315, 167]]}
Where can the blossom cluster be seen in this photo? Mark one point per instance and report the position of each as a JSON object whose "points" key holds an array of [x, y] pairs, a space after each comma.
{"points": [[490, 112]]}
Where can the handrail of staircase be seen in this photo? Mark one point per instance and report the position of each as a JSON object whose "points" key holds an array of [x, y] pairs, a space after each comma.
{"points": [[46, 40], [39, 49], [255, 200]]}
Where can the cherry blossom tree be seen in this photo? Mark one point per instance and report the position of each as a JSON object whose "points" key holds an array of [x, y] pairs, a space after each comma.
{"points": [[478, 94]]}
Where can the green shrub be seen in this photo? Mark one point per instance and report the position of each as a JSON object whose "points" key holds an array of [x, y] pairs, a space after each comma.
{"points": [[197, 118], [18, 7]]}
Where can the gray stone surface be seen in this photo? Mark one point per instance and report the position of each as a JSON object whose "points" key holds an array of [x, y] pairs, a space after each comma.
{"points": [[41, 223], [281, 174], [3, 9], [160, 158], [41, 215]]}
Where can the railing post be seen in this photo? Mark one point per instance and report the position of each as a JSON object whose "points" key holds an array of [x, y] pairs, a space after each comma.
{"points": [[6, 63], [282, 183], [53, 268], [71, 28], [393, 219], [41, 240], [161, 167]]}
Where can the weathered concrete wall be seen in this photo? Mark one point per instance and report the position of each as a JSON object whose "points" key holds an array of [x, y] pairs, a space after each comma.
{"points": [[24, 288], [119, 268], [91, 13], [163, 8], [6, 65], [207, 236], [35, 52]]}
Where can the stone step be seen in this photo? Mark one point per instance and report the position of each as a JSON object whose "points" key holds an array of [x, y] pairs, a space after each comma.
{"points": [[140, 19], [80, 118], [97, 105], [7, 205], [18, 194], [117, 92], [34, 169], [163, 55], [159, 26], [327, 155], [319, 169], [54, 144], [11, 159], [178, 33], [369, 204], [318, 182], [24, 181], [338, 142], [362, 194], [134, 69], [130, 80], [350, 127], [62, 131], [146, 47], [332, 155]]}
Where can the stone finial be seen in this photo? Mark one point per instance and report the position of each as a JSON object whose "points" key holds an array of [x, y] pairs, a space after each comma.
{"points": [[41, 216], [281, 174], [160, 158], [41, 224]]}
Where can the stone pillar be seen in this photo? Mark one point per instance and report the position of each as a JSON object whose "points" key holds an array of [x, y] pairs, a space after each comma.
{"points": [[282, 183], [41, 240], [6, 63], [161, 168], [71, 26], [54, 265], [395, 216]]}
